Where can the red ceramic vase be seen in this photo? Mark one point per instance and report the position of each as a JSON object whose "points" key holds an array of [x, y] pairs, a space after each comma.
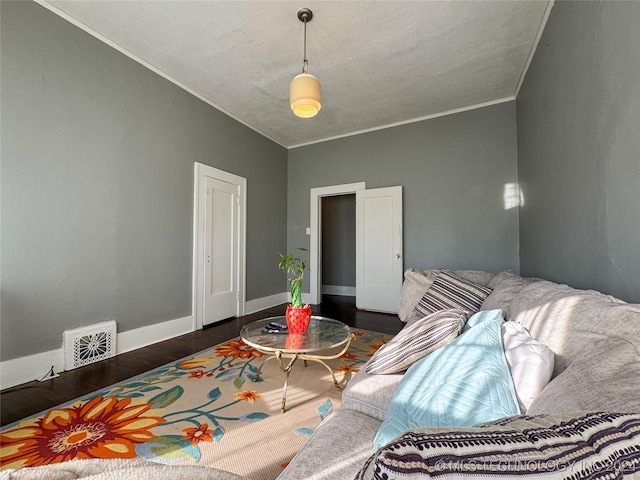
{"points": [[298, 319]]}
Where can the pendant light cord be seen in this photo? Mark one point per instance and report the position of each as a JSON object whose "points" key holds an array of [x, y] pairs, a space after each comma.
{"points": [[305, 64]]}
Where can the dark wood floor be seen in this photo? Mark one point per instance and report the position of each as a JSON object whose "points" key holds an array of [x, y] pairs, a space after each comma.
{"points": [[25, 400]]}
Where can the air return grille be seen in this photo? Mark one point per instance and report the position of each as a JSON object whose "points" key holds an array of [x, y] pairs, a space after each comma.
{"points": [[86, 345]]}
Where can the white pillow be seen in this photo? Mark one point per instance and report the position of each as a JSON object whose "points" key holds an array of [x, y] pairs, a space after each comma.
{"points": [[530, 362]]}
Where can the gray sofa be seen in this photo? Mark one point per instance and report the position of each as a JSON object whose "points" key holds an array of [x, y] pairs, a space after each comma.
{"points": [[596, 342], [595, 339]]}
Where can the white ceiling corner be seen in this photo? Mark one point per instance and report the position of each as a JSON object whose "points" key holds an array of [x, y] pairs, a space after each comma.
{"points": [[380, 63]]}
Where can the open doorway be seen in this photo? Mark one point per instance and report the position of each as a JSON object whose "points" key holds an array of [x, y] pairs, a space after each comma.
{"points": [[338, 245], [378, 245], [315, 232]]}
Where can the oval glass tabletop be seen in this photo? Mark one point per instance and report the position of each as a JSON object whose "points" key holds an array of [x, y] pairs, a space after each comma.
{"points": [[323, 334]]}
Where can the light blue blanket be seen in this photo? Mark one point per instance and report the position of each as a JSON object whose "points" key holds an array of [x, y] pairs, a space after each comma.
{"points": [[463, 383]]}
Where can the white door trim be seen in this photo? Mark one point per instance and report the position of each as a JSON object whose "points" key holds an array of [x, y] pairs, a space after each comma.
{"points": [[315, 240], [199, 222]]}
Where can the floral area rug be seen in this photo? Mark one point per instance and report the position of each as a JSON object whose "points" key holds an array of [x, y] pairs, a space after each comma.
{"points": [[206, 409]]}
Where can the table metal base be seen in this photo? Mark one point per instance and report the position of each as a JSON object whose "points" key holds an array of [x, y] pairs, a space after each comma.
{"points": [[294, 356]]}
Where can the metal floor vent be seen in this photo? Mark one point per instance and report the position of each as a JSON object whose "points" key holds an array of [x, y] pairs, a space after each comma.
{"points": [[91, 344]]}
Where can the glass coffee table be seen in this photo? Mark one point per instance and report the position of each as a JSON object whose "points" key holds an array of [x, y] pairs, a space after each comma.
{"points": [[325, 339]]}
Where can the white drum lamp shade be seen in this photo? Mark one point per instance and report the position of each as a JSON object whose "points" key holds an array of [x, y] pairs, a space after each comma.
{"points": [[305, 95], [305, 98]]}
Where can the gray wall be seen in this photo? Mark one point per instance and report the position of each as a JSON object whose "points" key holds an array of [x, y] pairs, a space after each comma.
{"points": [[453, 169], [339, 240], [579, 149], [97, 186]]}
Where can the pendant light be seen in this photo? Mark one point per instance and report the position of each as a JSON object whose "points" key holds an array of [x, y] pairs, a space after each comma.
{"points": [[304, 91]]}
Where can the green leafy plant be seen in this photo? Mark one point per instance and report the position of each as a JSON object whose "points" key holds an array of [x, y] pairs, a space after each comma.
{"points": [[294, 267]]}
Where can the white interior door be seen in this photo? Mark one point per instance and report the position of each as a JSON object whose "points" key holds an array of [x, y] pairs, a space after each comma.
{"points": [[219, 245], [379, 263], [221, 294]]}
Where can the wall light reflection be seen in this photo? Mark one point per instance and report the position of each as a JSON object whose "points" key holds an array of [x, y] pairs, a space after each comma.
{"points": [[513, 196]]}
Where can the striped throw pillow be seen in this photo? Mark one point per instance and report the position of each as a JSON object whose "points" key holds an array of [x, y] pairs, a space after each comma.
{"points": [[418, 340], [451, 291], [580, 446]]}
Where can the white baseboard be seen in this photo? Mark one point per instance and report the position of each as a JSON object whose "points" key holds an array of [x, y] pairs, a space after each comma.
{"points": [[31, 367], [339, 290], [253, 306], [34, 367], [145, 336]]}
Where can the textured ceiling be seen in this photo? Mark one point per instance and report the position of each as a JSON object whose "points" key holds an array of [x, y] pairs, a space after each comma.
{"points": [[379, 62]]}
